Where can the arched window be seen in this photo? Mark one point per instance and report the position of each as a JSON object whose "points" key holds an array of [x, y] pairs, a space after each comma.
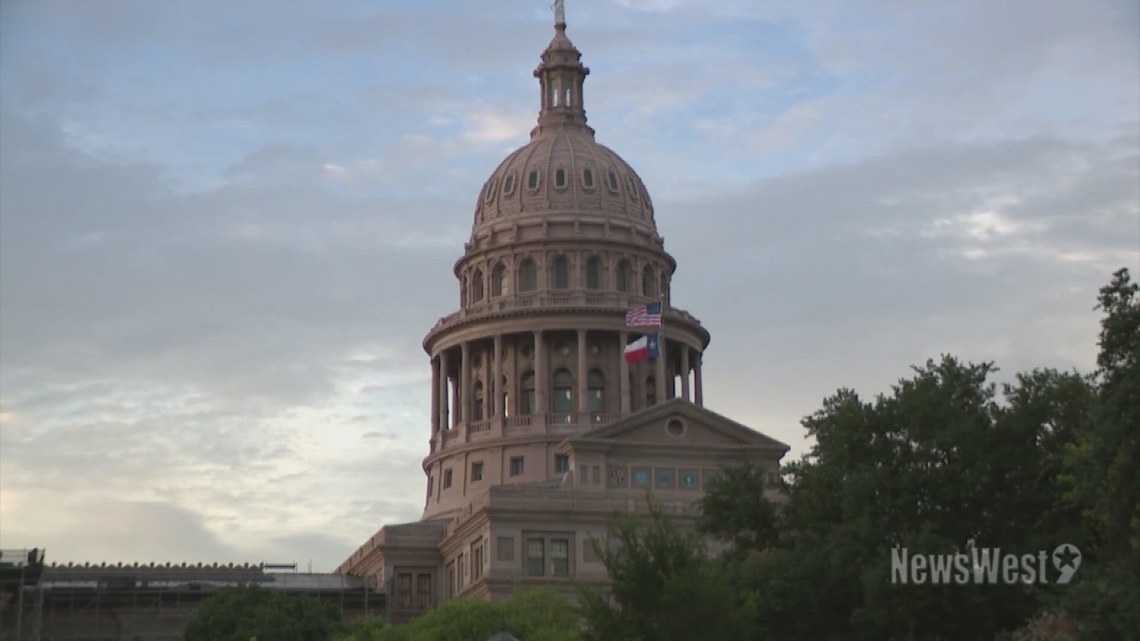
{"points": [[632, 187], [498, 280], [477, 402], [648, 283], [477, 286], [588, 178], [532, 180], [596, 390], [613, 181], [463, 292], [664, 287], [526, 396], [624, 276], [560, 178], [563, 392], [650, 391], [593, 273], [560, 273], [528, 276], [509, 185]]}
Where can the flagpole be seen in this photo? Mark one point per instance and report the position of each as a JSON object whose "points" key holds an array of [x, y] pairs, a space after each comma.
{"points": [[662, 369]]}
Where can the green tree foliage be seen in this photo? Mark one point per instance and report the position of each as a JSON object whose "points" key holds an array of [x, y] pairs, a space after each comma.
{"points": [[531, 615], [244, 613], [942, 463], [1103, 471], [665, 588]]}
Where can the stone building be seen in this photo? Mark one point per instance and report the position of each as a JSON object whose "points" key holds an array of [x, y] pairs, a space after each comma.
{"points": [[541, 431]]}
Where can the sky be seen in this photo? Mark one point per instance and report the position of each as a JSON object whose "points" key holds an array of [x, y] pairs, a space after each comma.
{"points": [[225, 228]]}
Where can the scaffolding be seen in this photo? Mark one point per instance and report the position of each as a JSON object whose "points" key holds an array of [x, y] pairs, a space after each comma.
{"points": [[154, 602], [21, 593]]}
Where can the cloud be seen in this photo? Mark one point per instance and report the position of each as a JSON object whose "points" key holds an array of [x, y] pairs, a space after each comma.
{"points": [[221, 246]]}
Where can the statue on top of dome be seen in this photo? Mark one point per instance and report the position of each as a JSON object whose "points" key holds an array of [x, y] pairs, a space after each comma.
{"points": [[559, 7]]}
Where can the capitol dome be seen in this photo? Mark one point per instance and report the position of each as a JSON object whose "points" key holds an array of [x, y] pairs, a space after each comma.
{"points": [[563, 169]]}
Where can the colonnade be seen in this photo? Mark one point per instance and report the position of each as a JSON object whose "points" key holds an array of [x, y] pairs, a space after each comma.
{"points": [[452, 394]]}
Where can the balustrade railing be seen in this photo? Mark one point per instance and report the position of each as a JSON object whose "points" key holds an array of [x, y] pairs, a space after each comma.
{"points": [[571, 299]]}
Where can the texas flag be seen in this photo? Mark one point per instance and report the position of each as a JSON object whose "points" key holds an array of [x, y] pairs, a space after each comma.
{"points": [[642, 348]]}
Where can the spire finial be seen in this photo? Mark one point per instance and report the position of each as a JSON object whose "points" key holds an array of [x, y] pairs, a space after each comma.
{"points": [[559, 7]]}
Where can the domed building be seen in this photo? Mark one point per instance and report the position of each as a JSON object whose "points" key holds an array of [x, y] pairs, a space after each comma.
{"points": [[544, 424]]}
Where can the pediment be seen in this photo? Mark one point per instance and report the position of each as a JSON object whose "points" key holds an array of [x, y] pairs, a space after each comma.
{"points": [[678, 423]]}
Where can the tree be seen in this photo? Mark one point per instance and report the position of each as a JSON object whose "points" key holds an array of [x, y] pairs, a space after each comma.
{"points": [[533, 615], [247, 612], [940, 464], [665, 587], [1103, 473]]}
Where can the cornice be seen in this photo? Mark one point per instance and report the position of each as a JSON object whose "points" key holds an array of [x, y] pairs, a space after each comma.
{"points": [[436, 338]]}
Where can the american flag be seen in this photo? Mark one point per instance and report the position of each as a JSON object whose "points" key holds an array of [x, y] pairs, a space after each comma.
{"points": [[644, 316]]}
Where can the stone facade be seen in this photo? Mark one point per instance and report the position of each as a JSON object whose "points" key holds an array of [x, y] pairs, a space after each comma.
{"points": [[541, 431]]}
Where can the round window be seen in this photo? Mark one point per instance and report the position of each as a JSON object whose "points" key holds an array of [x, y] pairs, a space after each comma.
{"points": [[675, 427]]}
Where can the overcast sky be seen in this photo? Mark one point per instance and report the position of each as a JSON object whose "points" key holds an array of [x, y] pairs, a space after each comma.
{"points": [[226, 227]]}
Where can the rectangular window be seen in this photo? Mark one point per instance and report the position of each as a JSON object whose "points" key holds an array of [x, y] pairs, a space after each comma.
{"points": [[560, 557], [526, 402], [451, 585], [477, 560], [584, 474], [423, 591], [477, 471], [597, 474], [561, 463], [446, 479], [461, 570], [535, 557], [404, 590], [593, 273], [506, 551], [516, 466]]}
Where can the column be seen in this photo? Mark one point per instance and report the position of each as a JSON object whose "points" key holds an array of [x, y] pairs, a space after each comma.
{"points": [[698, 392], [456, 412], [434, 396], [583, 365], [465, 383], [661, 369], [623, 373], [497, 378], [685, 372], [443, 366], [539, 374]]}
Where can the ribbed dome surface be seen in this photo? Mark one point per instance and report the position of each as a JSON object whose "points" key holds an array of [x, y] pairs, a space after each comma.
{"points": [[564, 171]]}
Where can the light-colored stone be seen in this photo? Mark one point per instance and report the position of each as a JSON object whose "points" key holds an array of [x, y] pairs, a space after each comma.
{"points": [[535, 465]]}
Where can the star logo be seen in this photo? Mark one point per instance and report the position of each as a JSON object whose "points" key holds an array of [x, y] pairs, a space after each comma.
{"points": [[1066, 558]]}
